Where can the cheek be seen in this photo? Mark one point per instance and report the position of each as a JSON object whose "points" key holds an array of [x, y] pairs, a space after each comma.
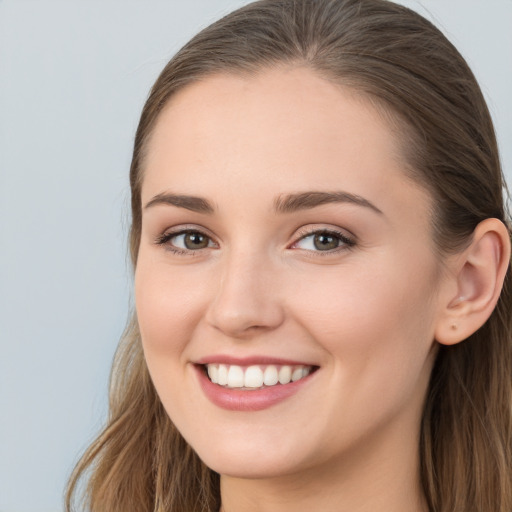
{"points": [[377, 330], [370, 317], [169, 305]]}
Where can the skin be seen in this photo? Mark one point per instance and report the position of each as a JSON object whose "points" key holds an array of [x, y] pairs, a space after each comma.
{"points": [[366, 314]]}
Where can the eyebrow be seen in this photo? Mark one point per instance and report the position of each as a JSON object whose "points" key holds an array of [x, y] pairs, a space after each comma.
{"points": [[283, 204], [305, 200], [195, 204]]}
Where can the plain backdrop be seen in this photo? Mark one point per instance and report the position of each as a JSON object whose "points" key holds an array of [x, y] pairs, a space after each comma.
{"points": [[73, 78]]}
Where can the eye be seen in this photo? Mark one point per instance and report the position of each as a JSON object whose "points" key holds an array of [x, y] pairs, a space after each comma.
{"points": [[324, 241], [187, 240]]}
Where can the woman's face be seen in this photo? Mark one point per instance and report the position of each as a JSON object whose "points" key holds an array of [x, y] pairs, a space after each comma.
{"points": [[280, 233]]}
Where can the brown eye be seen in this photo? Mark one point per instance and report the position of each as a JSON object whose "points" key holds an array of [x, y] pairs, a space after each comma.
{"points": [[183, 241], [325, 242], [195, 240]]}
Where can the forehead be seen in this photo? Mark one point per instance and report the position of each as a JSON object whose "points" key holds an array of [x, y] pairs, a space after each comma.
{"points": [[283, 129], [294, 102]]}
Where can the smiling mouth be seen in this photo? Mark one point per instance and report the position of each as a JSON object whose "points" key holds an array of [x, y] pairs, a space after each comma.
{"points": [[255, 377]]}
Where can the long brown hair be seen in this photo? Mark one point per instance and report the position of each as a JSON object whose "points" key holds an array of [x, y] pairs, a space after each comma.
{"points": [[405, 65]]}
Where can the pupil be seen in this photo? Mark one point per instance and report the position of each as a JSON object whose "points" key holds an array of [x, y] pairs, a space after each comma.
{"points": [[325, 242], [195, 241]]}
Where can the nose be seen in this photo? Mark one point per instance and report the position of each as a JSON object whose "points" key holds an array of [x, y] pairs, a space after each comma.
{"points": [[247, 299]]}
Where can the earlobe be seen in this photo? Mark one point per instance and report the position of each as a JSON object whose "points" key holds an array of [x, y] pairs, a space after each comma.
{"points": [[478, 272]]}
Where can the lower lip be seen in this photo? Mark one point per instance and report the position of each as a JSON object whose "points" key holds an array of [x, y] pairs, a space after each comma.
{"points": [[248, 400]]}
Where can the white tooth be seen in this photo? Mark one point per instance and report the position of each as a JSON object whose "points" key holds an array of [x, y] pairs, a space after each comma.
{"points": [[285, 374], [213, 373], [235, 377], [222, 375], [253, 377], [297, 374], [270, 376], [305, 371]]}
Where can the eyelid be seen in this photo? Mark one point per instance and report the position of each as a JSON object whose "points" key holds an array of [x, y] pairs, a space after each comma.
{"points": [[348, 240], [167, 235]]}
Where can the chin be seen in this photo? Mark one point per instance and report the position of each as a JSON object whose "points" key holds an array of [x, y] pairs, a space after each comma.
{"points": [[239, 467], [244, 459]]}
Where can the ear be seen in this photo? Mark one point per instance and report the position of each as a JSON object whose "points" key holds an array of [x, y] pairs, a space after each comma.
{"points": [[474, 283]]}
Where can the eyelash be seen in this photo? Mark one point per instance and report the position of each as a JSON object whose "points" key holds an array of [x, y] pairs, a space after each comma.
{"points": [[345, 243], [165, 238]]}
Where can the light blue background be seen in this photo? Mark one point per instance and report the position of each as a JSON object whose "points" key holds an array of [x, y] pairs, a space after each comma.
{"points": [[73, 78]]}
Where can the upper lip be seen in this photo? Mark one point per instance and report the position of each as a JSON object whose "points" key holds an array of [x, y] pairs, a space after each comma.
{"points": [[250, 360]]}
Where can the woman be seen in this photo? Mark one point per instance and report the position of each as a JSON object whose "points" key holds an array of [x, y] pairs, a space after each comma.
{"points": [[322, 281]]}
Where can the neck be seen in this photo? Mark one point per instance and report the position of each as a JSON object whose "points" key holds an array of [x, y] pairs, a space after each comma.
{"points": [[372, 476]]}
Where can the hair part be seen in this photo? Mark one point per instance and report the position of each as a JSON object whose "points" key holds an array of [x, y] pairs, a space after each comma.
{"points": [[406, 66]]}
